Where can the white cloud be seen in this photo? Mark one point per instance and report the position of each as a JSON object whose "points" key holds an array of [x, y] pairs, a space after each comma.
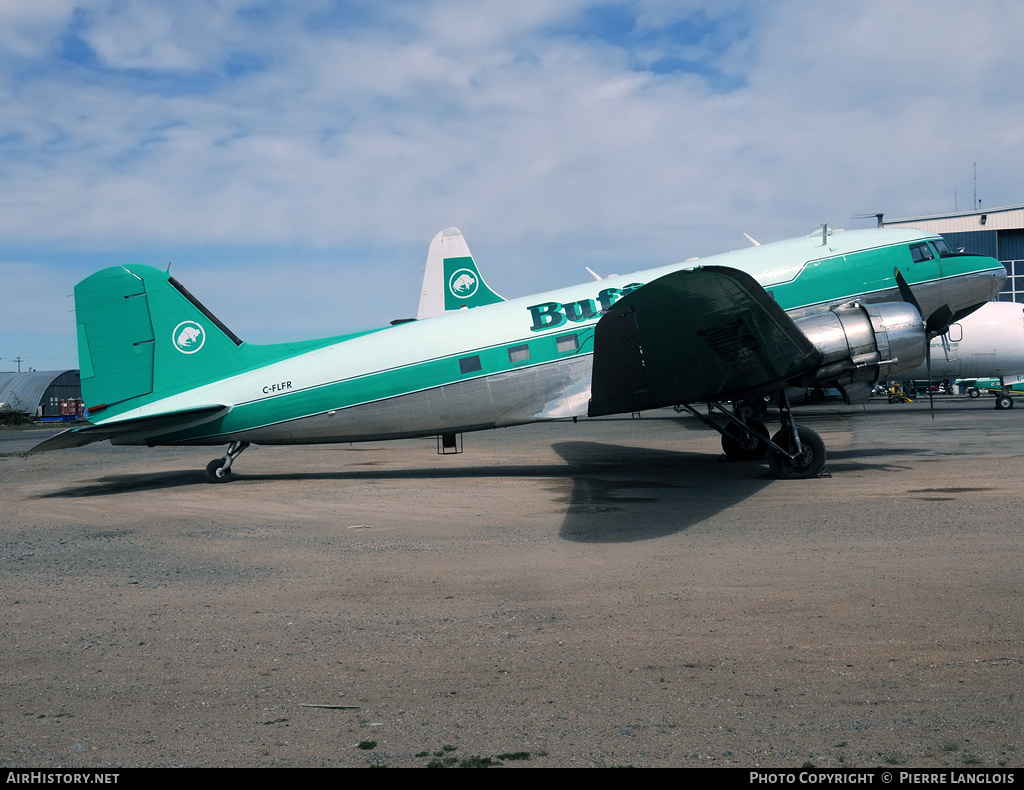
{"points": [[328, 130], [28, 30]]}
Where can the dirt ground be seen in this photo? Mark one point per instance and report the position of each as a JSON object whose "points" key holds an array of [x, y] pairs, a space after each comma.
{"points": [[607, 593]]}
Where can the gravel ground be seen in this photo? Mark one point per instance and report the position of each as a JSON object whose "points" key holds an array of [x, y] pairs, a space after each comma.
{"points": [[607, 593]]}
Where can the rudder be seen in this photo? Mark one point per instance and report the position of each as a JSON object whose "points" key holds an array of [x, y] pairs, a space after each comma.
{"points": [[141, 335]]}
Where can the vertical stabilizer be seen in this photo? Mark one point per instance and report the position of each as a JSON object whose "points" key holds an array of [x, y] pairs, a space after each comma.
{"points": [[451, 280], [141, 335]]}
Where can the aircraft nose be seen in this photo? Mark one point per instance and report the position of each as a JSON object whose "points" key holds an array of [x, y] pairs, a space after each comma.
{"points": [[981, 286], [969, 281], [997, 277]]}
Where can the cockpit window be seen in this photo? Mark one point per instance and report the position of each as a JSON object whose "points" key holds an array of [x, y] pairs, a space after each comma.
{"points": [[921, 252]]}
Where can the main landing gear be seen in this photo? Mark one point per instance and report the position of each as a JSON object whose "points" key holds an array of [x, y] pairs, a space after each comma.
{"points": [[798, 453], [219, 469], [1003, 399], [794, 452]]}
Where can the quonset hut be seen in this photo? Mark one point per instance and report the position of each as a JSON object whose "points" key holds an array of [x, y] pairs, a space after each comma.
{"points": [[41, 393]]}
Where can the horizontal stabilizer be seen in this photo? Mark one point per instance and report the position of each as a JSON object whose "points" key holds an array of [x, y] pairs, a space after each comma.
{"points": [[711, 333], [152, 424]]}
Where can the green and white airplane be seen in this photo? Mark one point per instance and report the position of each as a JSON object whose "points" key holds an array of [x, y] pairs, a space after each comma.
{"points": [[842, 308]]}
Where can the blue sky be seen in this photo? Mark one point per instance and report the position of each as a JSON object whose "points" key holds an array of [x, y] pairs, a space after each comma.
{"points": [[293, 160]]}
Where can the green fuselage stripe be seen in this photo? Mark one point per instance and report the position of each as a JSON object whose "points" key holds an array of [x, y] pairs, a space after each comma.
{"points": [[380, 385]]}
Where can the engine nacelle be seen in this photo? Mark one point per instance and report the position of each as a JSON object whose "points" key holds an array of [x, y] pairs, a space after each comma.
{"points": [[863, 343]]}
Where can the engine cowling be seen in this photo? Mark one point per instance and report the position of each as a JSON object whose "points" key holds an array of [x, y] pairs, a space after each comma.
{"points": [[863, 343]]}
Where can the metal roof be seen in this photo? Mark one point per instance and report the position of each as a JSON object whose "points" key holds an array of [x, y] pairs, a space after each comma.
{"points": [[24, 391], [1002, 218]]}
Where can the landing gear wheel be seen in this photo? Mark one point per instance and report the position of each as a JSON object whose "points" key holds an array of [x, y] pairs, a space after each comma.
{"points": [[807, 464], [973, 392], [216, 473], [1004, 402], [743, 445]]}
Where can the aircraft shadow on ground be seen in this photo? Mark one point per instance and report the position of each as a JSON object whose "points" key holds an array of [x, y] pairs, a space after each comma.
{"points": [[622, 494], [128, 483], [132, 483], [611, 493]]}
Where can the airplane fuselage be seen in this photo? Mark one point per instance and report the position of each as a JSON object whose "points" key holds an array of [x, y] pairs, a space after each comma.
{"points": [[513, 362], [988, 343]]}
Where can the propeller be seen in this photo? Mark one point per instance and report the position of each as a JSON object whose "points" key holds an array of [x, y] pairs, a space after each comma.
{"points": [[936, 324]]}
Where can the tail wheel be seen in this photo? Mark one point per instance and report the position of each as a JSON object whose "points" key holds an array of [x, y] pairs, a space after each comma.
{"points": [[807, 464], [743, 445], [215, 471]]}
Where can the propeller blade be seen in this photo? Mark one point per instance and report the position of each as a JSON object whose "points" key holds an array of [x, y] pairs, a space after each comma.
{"points": [[905, 292], [939, 321]]}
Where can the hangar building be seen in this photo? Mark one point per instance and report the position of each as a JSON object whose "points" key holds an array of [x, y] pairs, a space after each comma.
{"points": [[41, 393], [998, 233]]}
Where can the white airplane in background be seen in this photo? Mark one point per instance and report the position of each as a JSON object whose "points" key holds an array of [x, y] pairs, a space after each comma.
{"points": [[843, 308], [451, 279], [987, 344]]}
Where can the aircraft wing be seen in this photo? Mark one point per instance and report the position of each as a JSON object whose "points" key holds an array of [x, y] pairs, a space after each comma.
{"points": [[709, 333], [164, 422]]}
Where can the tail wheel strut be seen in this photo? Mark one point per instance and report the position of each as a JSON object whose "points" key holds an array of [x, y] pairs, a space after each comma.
{"points": [[219, 469]]}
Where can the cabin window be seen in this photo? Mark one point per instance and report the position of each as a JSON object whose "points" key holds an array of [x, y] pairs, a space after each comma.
{"points": [[470, 364], [921, 252], [519, 354], [567, 343], [941, 246]]}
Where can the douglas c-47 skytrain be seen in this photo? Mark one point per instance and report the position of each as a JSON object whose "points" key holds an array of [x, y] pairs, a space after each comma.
{"points": [[842, 309]]}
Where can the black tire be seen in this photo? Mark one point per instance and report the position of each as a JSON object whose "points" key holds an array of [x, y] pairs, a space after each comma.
{"points": [[807, 465], [973, 392], [1004, 402], [741, 445], [216, 473]]}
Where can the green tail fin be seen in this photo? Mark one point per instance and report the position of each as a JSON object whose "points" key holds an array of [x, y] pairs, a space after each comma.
{"points": [[141, 336], [464, 287]]}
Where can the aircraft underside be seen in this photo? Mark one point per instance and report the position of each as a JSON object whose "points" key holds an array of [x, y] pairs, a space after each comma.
{"points": [[557, 390], [510, 399]]}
